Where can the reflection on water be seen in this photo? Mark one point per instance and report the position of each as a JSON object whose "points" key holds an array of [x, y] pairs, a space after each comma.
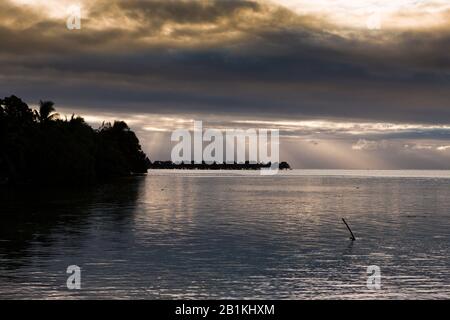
{"points": [[182, 235]]}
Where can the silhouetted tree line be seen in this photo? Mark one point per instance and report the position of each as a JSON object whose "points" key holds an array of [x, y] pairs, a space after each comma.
{"points": [[214, 166], [36, 146]]}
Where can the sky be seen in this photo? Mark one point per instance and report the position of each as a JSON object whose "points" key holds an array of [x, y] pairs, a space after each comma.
{"points": [[350, 84]]}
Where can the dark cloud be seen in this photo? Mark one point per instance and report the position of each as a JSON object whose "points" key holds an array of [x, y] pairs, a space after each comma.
{"points": [[226, 57], [178, 11]]}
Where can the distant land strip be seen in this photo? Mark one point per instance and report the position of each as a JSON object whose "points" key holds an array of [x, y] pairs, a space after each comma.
{"points": [[215, 166]]}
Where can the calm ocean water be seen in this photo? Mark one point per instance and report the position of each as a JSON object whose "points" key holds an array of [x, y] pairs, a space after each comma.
{"points": [[231, 235]]}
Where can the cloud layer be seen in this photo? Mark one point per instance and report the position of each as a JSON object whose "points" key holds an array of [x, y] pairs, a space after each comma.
{"points": [[254, 60]]}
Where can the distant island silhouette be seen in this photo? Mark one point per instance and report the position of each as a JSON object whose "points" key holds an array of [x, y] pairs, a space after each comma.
{"points": [[214, 166]]}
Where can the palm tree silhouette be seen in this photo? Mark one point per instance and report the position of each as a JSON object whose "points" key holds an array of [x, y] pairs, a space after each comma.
{"points": [[46, 109]]}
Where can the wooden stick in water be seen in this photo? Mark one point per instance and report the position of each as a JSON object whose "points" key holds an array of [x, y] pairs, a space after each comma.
{"points": [[352, 237]]}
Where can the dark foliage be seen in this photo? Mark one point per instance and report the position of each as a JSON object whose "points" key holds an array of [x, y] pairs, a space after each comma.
{"points": [[119, 152], [37, 147]]}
